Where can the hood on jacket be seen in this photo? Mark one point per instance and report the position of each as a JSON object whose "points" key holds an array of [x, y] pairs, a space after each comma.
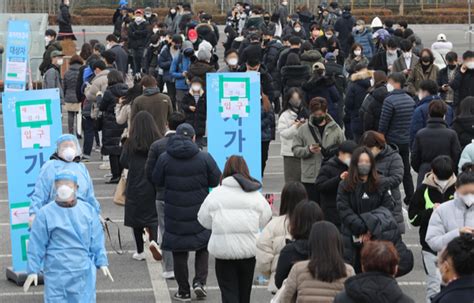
{"points": [[430, 181], [119, 89], [380, 93], [311, 56], [361, 75], [371, 287], [55, 156], [388, 151], [346, 15], [295, 70], [151, 91], [436, 122], [301, 246], [244, 183], [181, 147]]}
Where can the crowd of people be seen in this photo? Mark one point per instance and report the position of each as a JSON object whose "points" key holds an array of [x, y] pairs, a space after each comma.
{"points": [[356, 106]]}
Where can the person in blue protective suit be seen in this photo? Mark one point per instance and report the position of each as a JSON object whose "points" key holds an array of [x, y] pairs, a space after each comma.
{"points": [[66, 157], [66, 244]]}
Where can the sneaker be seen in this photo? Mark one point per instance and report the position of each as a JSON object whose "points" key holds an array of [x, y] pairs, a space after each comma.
{"points": [[139, 257], [97, 149], [113, 180], [168, 275], [199, 290], [182, 297], [105, 166], [155, 251], [85, 158]]}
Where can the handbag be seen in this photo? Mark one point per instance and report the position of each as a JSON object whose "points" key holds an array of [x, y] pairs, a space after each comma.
{"points": [[326, 152], [119, 195]]}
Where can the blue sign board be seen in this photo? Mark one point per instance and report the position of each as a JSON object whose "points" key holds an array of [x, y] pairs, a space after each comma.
{"points": [[16, 59], [233, 118], [32, 123]]}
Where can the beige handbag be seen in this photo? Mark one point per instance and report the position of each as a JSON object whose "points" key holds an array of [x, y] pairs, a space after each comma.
{"points": [[119, 195]]}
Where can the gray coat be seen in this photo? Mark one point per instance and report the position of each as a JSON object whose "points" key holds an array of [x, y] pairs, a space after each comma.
{"points": [[52, 79], [311, 163], [390, 169], [70, 81], [446, 221]]}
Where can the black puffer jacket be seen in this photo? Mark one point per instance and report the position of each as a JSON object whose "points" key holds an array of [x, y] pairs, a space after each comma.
{"points": [[294, 76], [371, 287], [138, 35], [197, 118], [355, 95], [464, 127], [111, 130], [200, 69], [140, 206], [270, 59], [187, 174], [327, 183], [390, 169], [293, 252], [463, 85], [350, 205], [324, 87], [64, 22], [371, 117]]}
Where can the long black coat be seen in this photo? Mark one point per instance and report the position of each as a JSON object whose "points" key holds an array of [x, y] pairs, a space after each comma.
{"points": [[197, 118], [140, 207], [187, 174], [111, 130], [371, 117], [294, 76], [327, 183], [464, 127], [324, 87], [64, 21]]}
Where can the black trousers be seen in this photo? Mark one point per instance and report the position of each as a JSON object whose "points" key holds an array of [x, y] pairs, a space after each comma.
{"points": [[404, 151], [235, 279], [171, 92], [115, 167], [138, 234], [265, 149], [181, 272], [313, 194]]}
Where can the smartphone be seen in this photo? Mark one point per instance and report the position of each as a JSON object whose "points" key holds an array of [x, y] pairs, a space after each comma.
{"points": [[316, 145]]}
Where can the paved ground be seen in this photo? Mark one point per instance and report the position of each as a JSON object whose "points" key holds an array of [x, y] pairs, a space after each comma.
{"points": [[141, 281]]}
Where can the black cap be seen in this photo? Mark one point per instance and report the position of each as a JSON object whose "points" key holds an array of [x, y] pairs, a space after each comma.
{"points": [[186, 130], [50, 32], [347, 147]]}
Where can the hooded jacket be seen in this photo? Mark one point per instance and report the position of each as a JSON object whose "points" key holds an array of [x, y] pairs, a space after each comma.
{"points": [[464, 127], [52, 46], [373, 108], [288, 129], [138, 35], [179, 65], [200, 69], [327, 183], [294, 251], [446, 221], [302, 287], [364, 38], [157, 104], [186, 174], [389, 165], [311, 163], [434, 140], [310, 57], [372, 287], [294, 76], [111, 130], [197, 118], [463, 85], [421, 204], [343, 26], [324, 87], [355, 95], [235, 201]]}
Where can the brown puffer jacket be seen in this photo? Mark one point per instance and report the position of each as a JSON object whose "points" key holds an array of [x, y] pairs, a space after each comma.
{"points": [[302, 287]]}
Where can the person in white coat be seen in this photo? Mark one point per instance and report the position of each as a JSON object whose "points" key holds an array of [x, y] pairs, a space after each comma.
{"points": [[235, 211], [293, 115], [440, 48], [274, 235], [454, 217]]}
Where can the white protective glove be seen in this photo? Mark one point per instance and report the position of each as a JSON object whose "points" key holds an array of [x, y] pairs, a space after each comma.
{"points": [[31, 219], [29, 280], [105, 270]]}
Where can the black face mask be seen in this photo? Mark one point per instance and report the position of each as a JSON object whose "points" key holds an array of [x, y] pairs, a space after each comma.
{"points": [[177, 46], [426, 59], [452, 66], [317, 120]]}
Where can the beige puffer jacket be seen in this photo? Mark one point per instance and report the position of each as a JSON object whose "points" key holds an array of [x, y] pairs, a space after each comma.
{"points": [[301, 287], [269, 244]]}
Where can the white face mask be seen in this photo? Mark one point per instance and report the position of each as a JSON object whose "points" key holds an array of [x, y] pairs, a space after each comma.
{"points": [[467, 199], [64, 193], [155, 30], [196, 87], [421, 96], [138, 19], [372, 82], [173, 11], [108, 46], [441, 183], [347, 161], [360, 28], [328, 36], [470, 65], [47, 39], [390, 87], [407, 55], [232, 61], [297, 29], [284, 3], [392, 52], [148, 15], [357, 52], [68, 154], [60, 61]]}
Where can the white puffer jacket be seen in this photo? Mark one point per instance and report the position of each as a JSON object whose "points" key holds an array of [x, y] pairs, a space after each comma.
{"points": [[235, 218], [288, 131], [269, 244]]}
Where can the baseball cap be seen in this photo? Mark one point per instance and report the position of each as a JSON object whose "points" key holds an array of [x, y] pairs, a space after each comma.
{"points": [[192, 34], [441, 37], [56, 53], [330, 56], [139, 11], [186, 130]]}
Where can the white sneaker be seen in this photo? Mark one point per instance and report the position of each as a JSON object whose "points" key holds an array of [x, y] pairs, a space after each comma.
{"points": [[139, 257], [168, 274], [105, 166]]}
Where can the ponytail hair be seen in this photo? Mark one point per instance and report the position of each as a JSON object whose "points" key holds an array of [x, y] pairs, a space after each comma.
{"points": [[461, 253], [467, 175]]}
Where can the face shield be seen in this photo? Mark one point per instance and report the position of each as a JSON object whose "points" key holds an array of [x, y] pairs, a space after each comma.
{"points": [[68, 148], [65, 188]]}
